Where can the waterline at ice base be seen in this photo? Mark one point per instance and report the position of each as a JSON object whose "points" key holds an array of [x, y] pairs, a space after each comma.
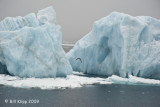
{"points": [[121, 45], [30, 46]]}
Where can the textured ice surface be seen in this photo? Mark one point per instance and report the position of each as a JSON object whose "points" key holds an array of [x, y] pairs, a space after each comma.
{"points": [[132, 80], [72, 81], [119, 44], [46, 15], [31, 47]]}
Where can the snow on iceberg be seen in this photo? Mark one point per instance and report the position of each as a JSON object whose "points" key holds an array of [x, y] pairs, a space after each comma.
{"points": [[31, 47], [119, 44]]}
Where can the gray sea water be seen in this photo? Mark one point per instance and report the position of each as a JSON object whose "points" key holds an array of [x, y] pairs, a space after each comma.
{"points": [[111, 95], [87, 96]]}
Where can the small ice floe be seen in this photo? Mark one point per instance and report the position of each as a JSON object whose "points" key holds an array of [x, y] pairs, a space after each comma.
{"points": [[132, 80]]}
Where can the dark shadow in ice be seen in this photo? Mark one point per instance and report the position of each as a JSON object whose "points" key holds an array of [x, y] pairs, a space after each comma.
{"points": [[89, 75], [3, 69]]}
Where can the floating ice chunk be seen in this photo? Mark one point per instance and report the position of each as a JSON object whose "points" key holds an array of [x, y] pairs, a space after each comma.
{"points": [[30, 49], [71, 81], [132, 80], [119, 44]]}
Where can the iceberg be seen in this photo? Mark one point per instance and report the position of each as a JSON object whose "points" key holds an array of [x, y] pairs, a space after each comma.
{"points": [[121, 45], [30, 46]]}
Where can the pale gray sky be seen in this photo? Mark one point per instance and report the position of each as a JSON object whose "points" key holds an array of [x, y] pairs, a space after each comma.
{"points": [[76, 17]]}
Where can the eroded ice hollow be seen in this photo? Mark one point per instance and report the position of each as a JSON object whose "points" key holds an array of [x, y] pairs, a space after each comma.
{"points": [[119, 44], [30, 46]]}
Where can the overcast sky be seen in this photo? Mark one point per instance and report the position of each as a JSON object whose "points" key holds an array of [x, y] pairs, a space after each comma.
{"points": [[76, 17]]}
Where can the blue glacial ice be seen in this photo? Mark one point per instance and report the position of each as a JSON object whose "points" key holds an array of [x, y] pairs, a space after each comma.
{"points": [[119, 44], [30, 46]]}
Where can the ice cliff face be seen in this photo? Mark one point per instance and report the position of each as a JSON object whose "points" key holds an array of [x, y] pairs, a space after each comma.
{"points": [[119, 44], [30, 46]]}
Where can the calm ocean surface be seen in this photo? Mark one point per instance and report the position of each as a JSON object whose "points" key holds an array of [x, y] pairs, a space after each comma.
{"points": [[87, 96]]}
